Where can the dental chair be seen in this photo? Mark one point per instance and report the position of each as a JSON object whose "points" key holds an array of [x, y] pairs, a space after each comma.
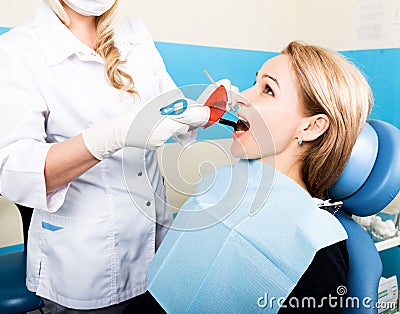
{"points": [[14, 296], [368, 184]]}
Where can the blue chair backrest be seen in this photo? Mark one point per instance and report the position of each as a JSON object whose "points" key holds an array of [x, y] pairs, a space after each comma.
{"points": [[368, 184]]}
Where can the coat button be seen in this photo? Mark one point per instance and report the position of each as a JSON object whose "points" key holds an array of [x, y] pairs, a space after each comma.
{"points": [[140, 174], [148, 203]]}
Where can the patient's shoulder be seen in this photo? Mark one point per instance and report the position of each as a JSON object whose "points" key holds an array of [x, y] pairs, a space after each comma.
{"points": [[326, 274]]}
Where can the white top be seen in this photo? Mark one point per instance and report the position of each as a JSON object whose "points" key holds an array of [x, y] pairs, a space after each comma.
{"points": [[91, 241]]}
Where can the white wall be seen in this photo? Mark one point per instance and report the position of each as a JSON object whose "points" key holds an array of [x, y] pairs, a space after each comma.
{"points": [[183, 168], [349, 24], [219, 23], [255, 24], [10, 224], [327, 23], [15, 12]]}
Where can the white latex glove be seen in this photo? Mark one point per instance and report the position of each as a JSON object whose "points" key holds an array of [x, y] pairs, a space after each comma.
{"points": [[196, 115], [231, 90], [142, 126]]}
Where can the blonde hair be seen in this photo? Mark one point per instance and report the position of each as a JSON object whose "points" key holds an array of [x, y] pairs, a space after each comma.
{"points": [[329, 84], [104, 45]]}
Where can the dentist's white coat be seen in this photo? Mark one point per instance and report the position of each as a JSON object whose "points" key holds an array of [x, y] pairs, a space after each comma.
{"points": [[91, 241]]}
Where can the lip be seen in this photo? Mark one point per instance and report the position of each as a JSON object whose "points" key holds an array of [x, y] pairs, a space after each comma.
{"points": [[237, 135]]}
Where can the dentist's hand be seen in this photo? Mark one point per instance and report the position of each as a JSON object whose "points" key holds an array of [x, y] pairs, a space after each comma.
{"points": [[148, 125], [196, 115], [142, 126]]}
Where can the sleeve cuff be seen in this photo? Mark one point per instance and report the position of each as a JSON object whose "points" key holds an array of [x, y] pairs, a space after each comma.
{"points": [[22, 179]]}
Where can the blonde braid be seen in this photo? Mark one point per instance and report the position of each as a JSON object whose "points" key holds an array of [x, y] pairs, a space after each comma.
{"points": [[106, 49]]}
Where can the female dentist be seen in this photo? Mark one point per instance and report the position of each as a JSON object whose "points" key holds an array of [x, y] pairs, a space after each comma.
{"points": [[72, 85]]}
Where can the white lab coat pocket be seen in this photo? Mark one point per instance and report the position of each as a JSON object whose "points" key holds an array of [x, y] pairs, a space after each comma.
{"points": [[70, 250]]}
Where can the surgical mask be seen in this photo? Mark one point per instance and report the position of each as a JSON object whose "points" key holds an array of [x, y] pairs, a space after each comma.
{"points": [[90, 7]]}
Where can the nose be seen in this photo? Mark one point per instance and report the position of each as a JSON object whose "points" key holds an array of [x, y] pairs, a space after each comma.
{"points": [[245, 97], [246, 94]]}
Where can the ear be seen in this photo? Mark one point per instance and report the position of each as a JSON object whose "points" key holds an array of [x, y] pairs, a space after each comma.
{"points": [[314, 127]]}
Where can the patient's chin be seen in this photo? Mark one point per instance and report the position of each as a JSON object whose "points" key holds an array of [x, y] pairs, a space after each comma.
{"points": [[240, 151]]}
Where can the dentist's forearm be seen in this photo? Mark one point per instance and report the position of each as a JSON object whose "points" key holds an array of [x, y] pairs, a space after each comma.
{"points": [[67, 161]]}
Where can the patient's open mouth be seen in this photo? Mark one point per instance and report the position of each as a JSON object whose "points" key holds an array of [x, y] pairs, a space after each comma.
{"points": [[240, 126]]}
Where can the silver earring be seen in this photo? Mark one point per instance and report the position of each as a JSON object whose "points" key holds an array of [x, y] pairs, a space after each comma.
{"points": [[300, 140]]}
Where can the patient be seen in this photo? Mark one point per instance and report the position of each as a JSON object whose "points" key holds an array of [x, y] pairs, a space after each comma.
{"points": [[297, 126]]}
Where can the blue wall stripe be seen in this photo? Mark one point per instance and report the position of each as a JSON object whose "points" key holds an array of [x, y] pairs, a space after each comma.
{"points": [[11, 249]]}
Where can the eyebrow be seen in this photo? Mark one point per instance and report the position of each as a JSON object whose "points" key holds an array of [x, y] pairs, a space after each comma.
{"points": [[272, 78]]}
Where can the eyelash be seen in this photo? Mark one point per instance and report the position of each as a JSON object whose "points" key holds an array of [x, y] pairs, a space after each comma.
{"points": [[268, 90]]}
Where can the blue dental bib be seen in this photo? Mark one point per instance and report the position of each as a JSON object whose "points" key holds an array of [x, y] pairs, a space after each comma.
{"points": [[249, 234]]}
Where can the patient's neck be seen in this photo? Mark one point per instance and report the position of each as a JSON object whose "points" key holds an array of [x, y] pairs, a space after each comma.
{"points": [[290, 168]]}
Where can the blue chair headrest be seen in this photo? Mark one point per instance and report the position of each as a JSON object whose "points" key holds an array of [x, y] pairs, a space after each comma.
{"points": [[371, 178]]}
